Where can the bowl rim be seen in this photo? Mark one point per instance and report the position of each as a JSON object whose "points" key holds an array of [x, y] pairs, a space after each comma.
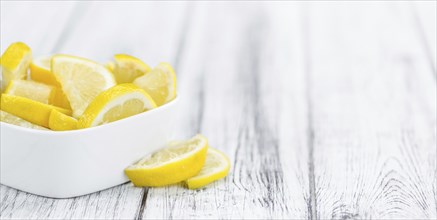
{"points": [[114, 123]]}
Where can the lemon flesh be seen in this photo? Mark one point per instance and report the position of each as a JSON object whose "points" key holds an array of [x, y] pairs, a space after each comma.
{"points": [[216, 166], [28, 109], [61, 122], [116, 103], [127, 68], [14, 63], [12, 119], [171, 165], [36, 91], [81, 80], [160, 83]]}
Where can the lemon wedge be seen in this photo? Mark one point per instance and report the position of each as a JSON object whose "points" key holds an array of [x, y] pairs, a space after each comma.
{"points": [[110, 66], [61, 122], [40, 71], [216, 167], [127, 68], [29, 89], [160, 83], [116, 103], [14, 62], [60, 99], [171, 165], [81, 80], [12, 119], [28, 109]]}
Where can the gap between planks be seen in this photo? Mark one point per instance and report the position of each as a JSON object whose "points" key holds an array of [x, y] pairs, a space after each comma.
{"points": [[312, 203]]}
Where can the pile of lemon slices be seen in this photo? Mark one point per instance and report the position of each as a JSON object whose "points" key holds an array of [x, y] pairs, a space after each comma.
{"points": [[63, 92]]}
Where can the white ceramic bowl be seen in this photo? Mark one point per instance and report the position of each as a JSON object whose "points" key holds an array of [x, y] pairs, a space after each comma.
{"points": [[73, 163]]}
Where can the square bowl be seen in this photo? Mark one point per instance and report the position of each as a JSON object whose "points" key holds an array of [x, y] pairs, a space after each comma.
{"points": [[73, 163]]}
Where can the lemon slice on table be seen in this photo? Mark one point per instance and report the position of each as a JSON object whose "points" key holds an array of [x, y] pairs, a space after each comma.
{"points": [[40, 71], [127, 68], [116, 103], [170, 165], [12, 119], [29, 89], [160, 83], [81, 80], [14, 62], [29, 110], [61, 122], [216, 166]]}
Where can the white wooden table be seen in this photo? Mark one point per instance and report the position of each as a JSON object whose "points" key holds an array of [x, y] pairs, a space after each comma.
{"points": [[325, 109]]}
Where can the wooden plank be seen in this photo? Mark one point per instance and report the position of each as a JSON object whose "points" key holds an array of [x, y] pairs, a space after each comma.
{"points": [[425, 15], [148, 30], [373, 112], [239, 83]]}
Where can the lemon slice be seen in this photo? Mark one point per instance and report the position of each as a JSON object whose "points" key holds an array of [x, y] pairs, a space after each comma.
{"points": [[36, 91], [14, 62], [28, 109], [160, 83], [116, 103], [12, 119], [61, 122], [81, 80], [40, 71], [127, 68], [171, 165], [216, 167]]}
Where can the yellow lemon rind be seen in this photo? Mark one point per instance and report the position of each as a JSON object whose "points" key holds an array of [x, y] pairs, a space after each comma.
{"points": [[61, 122], [170, 172], [97, 106], [35, 112], [201, 181]]}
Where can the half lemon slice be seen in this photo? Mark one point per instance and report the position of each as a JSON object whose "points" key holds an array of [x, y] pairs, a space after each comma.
{"points": [[170, 165], [81, 80], [127, 68], [160, 83], [116, 103], [216, 166]]}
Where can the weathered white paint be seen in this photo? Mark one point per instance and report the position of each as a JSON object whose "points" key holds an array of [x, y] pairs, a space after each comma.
{"points": [[373, 101], [326, 110]]}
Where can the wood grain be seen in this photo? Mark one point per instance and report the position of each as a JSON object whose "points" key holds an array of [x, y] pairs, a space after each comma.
{"points": [[226, 92], [373, 107], [325, 109]]}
